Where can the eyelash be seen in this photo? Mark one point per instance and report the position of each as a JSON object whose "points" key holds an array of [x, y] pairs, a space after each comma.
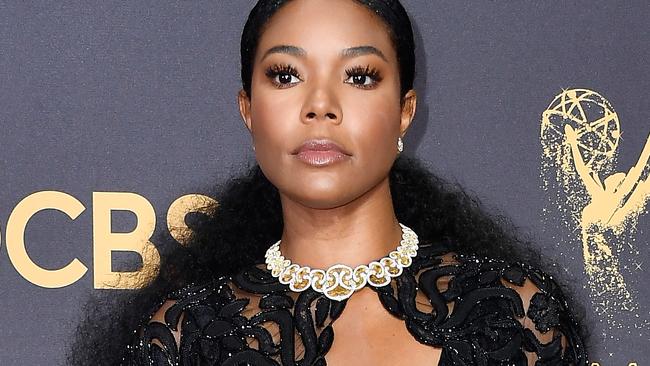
{"points": [[285, 69], [368, 71], [281, 69]]}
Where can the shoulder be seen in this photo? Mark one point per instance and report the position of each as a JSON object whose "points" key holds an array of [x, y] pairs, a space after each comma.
{"points": [[175, 303], [533, 287], [181, 315], [510, 301], [226, 294]]}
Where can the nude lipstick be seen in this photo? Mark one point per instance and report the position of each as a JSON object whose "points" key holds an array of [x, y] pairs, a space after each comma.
{"points": [[320, 152]]}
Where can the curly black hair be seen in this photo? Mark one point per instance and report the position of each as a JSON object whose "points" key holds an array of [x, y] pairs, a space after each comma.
{"points": [[248, 216], [237, 231]]}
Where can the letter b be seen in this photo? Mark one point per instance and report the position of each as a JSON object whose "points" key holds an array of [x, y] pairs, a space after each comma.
{"points": [[106, 241]]}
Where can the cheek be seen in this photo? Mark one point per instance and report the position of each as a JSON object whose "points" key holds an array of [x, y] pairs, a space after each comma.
{"points": [[378, 128], [272, 119], [370, 128], [274, 132]]}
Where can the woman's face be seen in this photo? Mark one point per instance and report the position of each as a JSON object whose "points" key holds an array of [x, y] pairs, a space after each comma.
{"points": [[325, 70]]}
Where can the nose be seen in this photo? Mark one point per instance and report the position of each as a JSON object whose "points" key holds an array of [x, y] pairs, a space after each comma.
{"points": [[321, 104]]}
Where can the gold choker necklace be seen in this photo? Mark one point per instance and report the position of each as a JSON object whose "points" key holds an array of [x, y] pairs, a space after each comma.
{"points": [[339, 281]]}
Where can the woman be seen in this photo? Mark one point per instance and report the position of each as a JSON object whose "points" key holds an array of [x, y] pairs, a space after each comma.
{"points": [[335, 250]]}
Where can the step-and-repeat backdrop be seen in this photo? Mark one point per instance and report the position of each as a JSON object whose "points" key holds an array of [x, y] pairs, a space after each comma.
{"points": [[117, 116]]}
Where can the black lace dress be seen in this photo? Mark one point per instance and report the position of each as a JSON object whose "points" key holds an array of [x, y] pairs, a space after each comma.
{"points": [[252, 319]]}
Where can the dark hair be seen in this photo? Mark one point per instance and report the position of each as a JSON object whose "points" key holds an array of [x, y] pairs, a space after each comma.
{"points": [[391, 12], [248, 217]]}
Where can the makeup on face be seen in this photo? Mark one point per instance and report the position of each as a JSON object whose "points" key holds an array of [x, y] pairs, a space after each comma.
{"points": [[325, 104], [320, 152]]}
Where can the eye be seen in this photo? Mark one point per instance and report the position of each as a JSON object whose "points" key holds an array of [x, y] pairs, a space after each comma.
{"points": [[283, 76], [363, 77]]}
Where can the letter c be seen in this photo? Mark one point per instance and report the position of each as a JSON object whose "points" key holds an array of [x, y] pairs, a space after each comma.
{"points": [[15, 240]]}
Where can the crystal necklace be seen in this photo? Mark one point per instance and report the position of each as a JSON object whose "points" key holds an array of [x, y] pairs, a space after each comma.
{"points": [[339, 281]]}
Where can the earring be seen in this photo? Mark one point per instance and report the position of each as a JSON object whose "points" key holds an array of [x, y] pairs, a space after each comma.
{"points": [[400, 144]]}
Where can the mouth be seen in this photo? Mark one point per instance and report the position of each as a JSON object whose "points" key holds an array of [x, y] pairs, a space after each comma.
{"points": [[320, 152]]}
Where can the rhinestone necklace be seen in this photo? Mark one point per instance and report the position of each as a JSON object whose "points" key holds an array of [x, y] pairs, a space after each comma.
{"points": [[339, 281]]}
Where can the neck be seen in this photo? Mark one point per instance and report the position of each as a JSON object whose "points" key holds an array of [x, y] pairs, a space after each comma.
{"points": [[358, 232]]}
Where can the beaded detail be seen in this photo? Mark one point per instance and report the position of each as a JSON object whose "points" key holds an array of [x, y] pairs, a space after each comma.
{"points": [[470, 307], [339, 281]]}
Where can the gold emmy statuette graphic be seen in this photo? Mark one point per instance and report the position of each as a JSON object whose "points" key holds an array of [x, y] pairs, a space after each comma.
{"points": [[580, 135]]}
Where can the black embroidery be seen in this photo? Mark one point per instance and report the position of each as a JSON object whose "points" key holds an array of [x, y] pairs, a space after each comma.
{"points": [[544, 312], [222, 326]]}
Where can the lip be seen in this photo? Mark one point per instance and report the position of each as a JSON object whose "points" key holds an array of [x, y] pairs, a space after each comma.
{"points": [[320, 152]]}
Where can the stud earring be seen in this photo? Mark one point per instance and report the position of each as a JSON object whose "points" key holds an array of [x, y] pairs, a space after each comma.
{"points": [[400, 144]]}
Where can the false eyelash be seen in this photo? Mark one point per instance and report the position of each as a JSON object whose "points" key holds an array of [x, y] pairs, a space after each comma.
{"points": [[275, 70], [364, 71]]}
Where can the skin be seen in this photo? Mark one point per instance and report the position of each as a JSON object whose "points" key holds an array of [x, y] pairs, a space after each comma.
{"points": [[341, 213]]}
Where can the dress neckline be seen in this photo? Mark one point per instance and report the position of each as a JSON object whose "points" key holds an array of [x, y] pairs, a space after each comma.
{"points": [[483, 324]]}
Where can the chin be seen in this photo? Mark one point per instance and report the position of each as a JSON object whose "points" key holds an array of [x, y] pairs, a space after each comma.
{"points": [[322, 197]]}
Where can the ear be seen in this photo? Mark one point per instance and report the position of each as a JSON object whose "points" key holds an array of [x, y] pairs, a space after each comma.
{"points": [[409, 103], [245, 108]]}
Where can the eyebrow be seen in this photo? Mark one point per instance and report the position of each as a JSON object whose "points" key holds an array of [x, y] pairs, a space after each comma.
{"points": [[291, 50], [361, 51], [346, 53]]}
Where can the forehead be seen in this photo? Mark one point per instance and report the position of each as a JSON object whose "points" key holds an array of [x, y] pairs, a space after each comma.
{"points": [[324, 27]]}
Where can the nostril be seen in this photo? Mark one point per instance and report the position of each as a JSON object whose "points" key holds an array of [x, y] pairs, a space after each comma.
{"points": [[331, 115], [311, 115]]}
